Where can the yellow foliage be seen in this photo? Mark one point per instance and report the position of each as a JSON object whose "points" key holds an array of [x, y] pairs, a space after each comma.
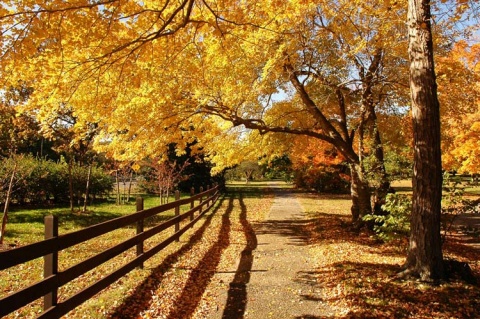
{"points": [[153, 72]]}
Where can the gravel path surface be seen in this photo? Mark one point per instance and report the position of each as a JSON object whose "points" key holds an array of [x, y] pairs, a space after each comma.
{"points": [[274, 277]]}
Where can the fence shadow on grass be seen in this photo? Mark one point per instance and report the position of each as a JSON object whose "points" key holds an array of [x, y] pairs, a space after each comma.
{"points": [[200, 277], [141, 297]]}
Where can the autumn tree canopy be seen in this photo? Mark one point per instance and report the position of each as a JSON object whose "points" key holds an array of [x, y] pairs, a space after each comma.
{"points": [[149, 73]]}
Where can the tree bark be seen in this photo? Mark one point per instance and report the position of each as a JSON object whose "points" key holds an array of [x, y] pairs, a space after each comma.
{"points": [[117, 182], [130, 186], [369, 135], [424, 257], [360, 193]]}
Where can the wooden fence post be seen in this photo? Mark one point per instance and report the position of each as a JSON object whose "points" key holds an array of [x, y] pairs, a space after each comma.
{"points": [[140, 227], [177, 213], [50, 267], [192, 203]]}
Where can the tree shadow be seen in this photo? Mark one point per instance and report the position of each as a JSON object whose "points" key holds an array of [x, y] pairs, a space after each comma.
{"points": [[465, 248], [296, 230], [327, 227], [201, 276], [373, 292], [237, 292], [141, 297]]}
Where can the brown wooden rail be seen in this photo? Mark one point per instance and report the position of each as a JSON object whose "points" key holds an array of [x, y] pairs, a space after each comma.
{"points": [[49, 248]]}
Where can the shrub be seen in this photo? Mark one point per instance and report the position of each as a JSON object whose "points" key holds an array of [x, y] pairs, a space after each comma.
{"points": [[39, 181], [321, 179], [396, 223]]}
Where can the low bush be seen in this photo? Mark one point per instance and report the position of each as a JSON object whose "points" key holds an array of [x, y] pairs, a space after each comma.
{"points": [[320, 179], [41, 181], [395, 223]]}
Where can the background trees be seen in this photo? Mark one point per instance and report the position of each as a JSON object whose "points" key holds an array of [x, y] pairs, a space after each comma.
{"points": [[459, 100]]}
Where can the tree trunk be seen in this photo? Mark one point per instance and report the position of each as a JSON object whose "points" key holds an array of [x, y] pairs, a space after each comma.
{"points": [[7, 203], [382, 189], [87, 188], [130, 186], [424, 257], [360, 193], [70, 184], [369, 136], [117, 181]]}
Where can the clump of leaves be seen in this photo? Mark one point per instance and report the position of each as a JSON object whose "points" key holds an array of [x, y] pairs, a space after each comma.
{"points": [[395, 223]]}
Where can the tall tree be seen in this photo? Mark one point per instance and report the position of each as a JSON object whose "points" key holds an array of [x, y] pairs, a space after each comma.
{"points": [[153, 72], [424, 257]]}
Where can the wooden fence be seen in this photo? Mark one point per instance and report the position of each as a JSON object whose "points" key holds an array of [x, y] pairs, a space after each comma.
{"points": [[53, 243]]}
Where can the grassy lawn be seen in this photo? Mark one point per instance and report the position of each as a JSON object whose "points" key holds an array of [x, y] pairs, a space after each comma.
{"points": [[27, 226], [405, 187]]}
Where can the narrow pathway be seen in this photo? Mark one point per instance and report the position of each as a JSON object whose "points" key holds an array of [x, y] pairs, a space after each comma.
{"points": [[275, 275]]}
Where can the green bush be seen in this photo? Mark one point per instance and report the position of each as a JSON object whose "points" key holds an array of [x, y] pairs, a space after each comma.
{"points": [[40, 181], [396, 223]]}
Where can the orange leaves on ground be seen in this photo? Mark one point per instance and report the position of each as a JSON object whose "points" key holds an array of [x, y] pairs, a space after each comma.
{"points": [[183, 285], [357, 273]]}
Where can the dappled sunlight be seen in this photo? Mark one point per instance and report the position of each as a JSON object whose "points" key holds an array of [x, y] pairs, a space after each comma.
{"points": [[358, 273]]}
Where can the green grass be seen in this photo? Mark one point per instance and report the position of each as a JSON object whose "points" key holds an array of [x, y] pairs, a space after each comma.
{"points": [[26, 225], [405, 187], [259, 186], [402, 187]]}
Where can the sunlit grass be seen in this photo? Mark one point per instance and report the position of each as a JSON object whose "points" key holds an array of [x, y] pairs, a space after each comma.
{"points": [[26, 225], [266, 184], [313, 204]]}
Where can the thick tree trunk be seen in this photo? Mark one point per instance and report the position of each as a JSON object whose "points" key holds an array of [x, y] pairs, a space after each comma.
{"points": [[383, 188], [360, 193], [369, 135], [425, 251]]}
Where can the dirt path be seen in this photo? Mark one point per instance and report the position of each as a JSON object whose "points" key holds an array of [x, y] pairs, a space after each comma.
{"points": [[273, 278]]}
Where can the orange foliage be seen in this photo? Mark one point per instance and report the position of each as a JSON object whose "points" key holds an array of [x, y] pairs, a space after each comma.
{"points": [[314, 152], [458, 80]]}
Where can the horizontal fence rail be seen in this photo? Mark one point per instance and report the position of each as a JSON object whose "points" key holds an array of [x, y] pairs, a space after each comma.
{"points": [[53, 243]]}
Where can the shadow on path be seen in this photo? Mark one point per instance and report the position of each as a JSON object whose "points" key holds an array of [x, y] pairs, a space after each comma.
{"points": [[200, 277], [237, 293], [141, 298], [296, 230]]}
